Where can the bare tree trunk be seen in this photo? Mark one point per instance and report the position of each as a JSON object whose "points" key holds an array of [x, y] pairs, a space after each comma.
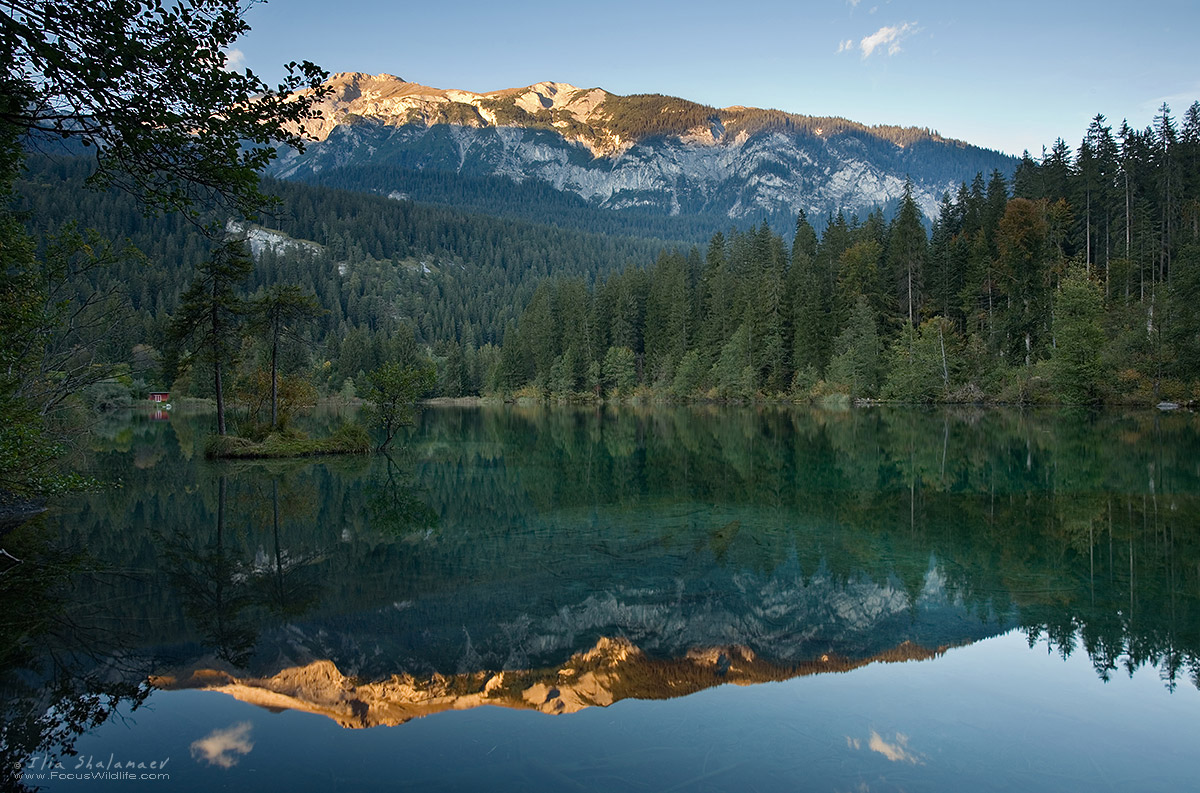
{"points": [[220, 398], [279, 588], [945, 367], [1087, 260], [1128, 230], [910, 316], [215, 314], [1107, 254], [275, 379]]}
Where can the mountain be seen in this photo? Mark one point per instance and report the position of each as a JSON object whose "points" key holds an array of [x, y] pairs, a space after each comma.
{"points": [[611, 671], [643, 153]]}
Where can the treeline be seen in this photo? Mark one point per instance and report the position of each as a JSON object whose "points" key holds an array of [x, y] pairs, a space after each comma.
{"points": [[499, 196], [1079, 282], [388, 275]]}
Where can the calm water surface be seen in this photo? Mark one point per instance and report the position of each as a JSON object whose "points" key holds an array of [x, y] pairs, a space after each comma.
{"points": [[668, 599]]}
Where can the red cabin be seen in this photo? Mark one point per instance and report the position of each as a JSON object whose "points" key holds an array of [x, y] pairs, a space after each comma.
{"points": [[159, 396]]}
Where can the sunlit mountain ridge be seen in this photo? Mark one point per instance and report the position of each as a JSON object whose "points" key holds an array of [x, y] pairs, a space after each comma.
{"points": [[647, 152]]}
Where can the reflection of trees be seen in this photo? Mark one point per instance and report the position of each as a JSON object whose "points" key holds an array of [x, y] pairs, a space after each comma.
{"points": [[287, 586], [214, 587], [1134, 604], [1072, 520], [1026, 518], [393, 501], [232, 591], [60, 673]]}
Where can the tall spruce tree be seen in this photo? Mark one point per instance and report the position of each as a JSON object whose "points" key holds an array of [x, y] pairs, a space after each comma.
{"points": [[211, 314], [855, 363], [944, 276], [906, 257], [771, 308], [667, 316], [1023, 239], [278, 315], [1079, 339], [1165, 137]]}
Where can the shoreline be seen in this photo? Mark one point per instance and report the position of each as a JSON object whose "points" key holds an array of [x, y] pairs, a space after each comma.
{"points": [[831, 402]]}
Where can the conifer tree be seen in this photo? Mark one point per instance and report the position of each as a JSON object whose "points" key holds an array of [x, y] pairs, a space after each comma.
{"points": [[667, 311], [1027, 180], [1165, 138], [717, 284], [805, 241], [906, 257], [277, 314], [1023, 239], [1056, 171], [211, 314], [771, 308], [855, 363], [996, 203], [944, 276], [1098, 181], [455, 377], [858, 276], [810, 314], [1079, 339], [619, 370]]}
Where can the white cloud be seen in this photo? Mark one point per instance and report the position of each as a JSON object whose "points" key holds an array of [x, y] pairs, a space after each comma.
{"points": [[896, 751], [1179, 102], [845, 46], [853, 3], [224, 747], [888, 37], [235, 60]]}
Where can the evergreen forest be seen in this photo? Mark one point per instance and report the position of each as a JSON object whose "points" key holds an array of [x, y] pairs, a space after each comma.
{"points": [[1077, 280]]}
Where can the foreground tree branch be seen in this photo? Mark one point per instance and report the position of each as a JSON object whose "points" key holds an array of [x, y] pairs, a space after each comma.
{"points": [[147, 86]]}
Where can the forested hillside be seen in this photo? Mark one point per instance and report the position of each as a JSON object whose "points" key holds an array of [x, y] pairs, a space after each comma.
{"points": [[385, 272], [1078, 282], [499, 196]]}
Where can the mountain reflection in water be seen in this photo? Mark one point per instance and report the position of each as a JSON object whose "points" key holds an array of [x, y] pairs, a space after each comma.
{"points": [[611, 671], [558, 559]]}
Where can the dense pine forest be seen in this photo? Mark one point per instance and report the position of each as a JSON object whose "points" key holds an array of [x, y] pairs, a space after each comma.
{"points": [[499, 196], [392, 278], [1076, 281]]}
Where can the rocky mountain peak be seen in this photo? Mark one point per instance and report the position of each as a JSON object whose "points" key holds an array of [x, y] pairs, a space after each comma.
{"points": [[647, 151]]}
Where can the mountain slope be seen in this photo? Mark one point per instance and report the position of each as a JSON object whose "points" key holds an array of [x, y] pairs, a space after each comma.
{"points": [[649, 153]]}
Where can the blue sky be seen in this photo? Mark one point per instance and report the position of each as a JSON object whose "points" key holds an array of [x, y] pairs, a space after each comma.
{"points": [[1011, 75]]}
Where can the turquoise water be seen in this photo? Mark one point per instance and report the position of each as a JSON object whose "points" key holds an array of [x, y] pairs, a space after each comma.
{"points": [[668, 599]]}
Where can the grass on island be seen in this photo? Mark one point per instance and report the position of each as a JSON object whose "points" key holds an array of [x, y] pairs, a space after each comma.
{"points": [[350, 438]]}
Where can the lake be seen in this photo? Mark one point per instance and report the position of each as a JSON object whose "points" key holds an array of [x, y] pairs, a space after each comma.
{"points": [[621, 599]]}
